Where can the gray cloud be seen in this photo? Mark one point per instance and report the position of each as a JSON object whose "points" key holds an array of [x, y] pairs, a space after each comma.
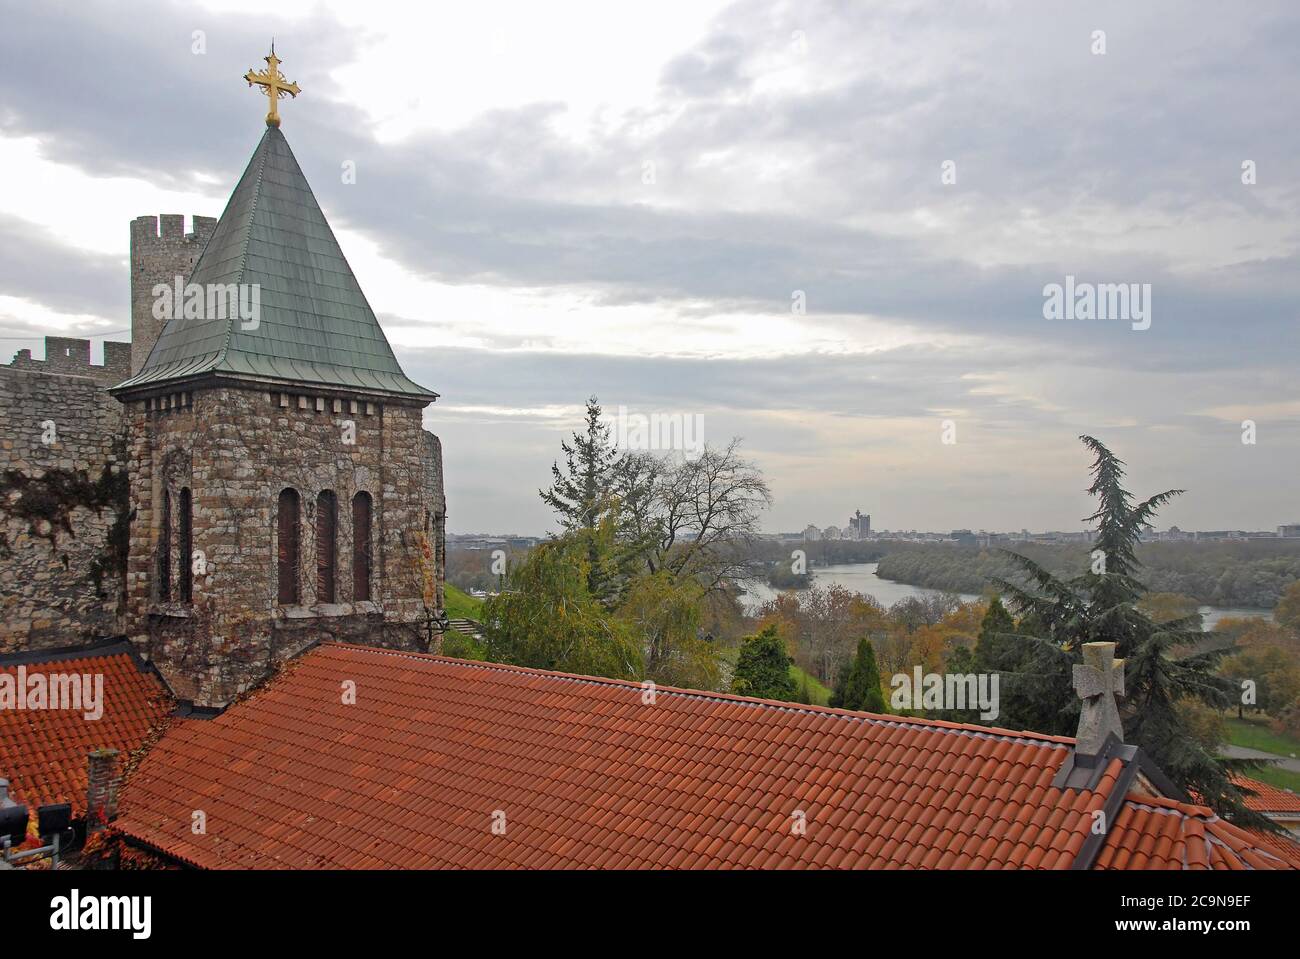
{"points": [[1121, 168]]}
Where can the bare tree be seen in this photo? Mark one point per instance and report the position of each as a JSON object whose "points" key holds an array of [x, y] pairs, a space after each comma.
{"points": [[704, 507]]}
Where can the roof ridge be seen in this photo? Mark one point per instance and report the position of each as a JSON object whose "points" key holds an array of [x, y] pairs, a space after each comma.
{"points": [[1028, 737], [329, 227], [259, 157]]}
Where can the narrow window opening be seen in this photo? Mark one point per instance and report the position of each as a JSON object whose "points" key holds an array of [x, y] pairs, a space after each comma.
{"points": [[288, 530], [327, 514], [185, 546], [361, 549]]}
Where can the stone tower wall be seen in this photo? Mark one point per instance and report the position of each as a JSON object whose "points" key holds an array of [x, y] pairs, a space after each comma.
{"points": [[161, 250], [236, 448], [62, 497]]}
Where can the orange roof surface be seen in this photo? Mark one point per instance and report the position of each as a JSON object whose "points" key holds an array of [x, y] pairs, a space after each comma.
{"points": [[1152, 833], [43, 751], [444, 763], [1266, 798]]}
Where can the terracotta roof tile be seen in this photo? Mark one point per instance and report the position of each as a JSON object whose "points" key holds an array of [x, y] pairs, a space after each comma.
{"points": [[587, 776], [43, 752], [1151, 833], [1266, 798]]}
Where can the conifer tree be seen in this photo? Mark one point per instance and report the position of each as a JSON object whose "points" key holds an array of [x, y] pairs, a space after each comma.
{"points": [[1100, 605], [763, 668], [581, 492], [859, 685]]}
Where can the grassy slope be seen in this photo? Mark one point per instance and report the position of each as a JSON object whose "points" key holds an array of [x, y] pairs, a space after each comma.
{"points": [[1254, 735], [462, 605], [820, 694]]}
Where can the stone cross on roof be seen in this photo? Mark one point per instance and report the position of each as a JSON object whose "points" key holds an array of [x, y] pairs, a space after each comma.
{"points": [[1097, 681]]}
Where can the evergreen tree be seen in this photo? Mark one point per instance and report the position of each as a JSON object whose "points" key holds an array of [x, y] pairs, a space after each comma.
{"points": [[996, 632], [583, 490], [584, 496], [763, 668], [547, 619], [1101, 606], [859, 685]]}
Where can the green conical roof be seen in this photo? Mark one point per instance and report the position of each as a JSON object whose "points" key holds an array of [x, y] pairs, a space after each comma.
{"points": [[314, 327]]}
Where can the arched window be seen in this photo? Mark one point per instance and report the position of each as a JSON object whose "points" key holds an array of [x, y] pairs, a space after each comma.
{"points": [[288, 527], [361, 554], [327, 521], [165, 550], [185, 545]]}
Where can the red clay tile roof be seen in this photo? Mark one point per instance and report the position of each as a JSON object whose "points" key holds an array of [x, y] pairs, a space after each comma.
{"points": [[1266, 798], [1152, 833], [578, 772], [43, 752]]}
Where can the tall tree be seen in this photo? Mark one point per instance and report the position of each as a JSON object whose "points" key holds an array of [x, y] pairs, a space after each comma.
{"points": [[859, 686], [582, 492], [584, 497], [763, 668], [1101, 605], [546, 618], [665, 614], [705, 506], [997, 628]]}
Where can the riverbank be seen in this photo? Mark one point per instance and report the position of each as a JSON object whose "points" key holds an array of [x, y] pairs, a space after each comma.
{"points": [[864, 578]]}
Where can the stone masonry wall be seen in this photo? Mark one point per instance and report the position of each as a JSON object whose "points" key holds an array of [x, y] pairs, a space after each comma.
{"points": [[62, 492], [236, 448], [161, 250]]}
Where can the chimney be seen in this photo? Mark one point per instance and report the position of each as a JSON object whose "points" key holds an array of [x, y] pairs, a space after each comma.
{"points": [[103, 778], [1097, 681]]}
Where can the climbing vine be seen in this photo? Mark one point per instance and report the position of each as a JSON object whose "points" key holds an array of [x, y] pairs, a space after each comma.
{"points": [[46, 503]]}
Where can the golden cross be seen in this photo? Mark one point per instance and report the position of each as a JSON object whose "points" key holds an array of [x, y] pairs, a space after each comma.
{"points": [[273, 80]]}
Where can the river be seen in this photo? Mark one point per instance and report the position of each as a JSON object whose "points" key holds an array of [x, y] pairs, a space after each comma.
{"points": [[862, 578]]}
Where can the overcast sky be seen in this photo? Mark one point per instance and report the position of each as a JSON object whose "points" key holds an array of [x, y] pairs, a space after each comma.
{"points": [[559, 199]]}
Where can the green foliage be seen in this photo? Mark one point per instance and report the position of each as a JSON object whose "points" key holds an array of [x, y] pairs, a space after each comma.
{"points": [[548, 619], [1102, 606], [997, 630], [1255, 734], [581, 492], [1274, 672], [665, 614], [1242, 573], [809, 690], [1168, 607], [1288, 607], [859, 685], [763, 668], [459, 646], [460, 605]]}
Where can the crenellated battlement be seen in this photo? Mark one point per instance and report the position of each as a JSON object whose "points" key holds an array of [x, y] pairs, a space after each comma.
{"points": [[161, 250], [69, 356], [169, 228]]}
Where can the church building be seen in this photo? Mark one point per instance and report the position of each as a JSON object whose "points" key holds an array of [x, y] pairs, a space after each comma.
{"points": [[280, 486], [253, 484]]}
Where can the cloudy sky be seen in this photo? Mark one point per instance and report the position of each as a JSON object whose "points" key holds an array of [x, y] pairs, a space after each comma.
{"points": [[631, 200]]}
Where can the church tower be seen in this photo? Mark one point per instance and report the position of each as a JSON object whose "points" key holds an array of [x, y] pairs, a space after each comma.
{"points": [[282, 488]]}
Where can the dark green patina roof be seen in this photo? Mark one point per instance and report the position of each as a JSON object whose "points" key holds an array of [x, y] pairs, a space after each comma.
{"points": [[315, 326]]}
